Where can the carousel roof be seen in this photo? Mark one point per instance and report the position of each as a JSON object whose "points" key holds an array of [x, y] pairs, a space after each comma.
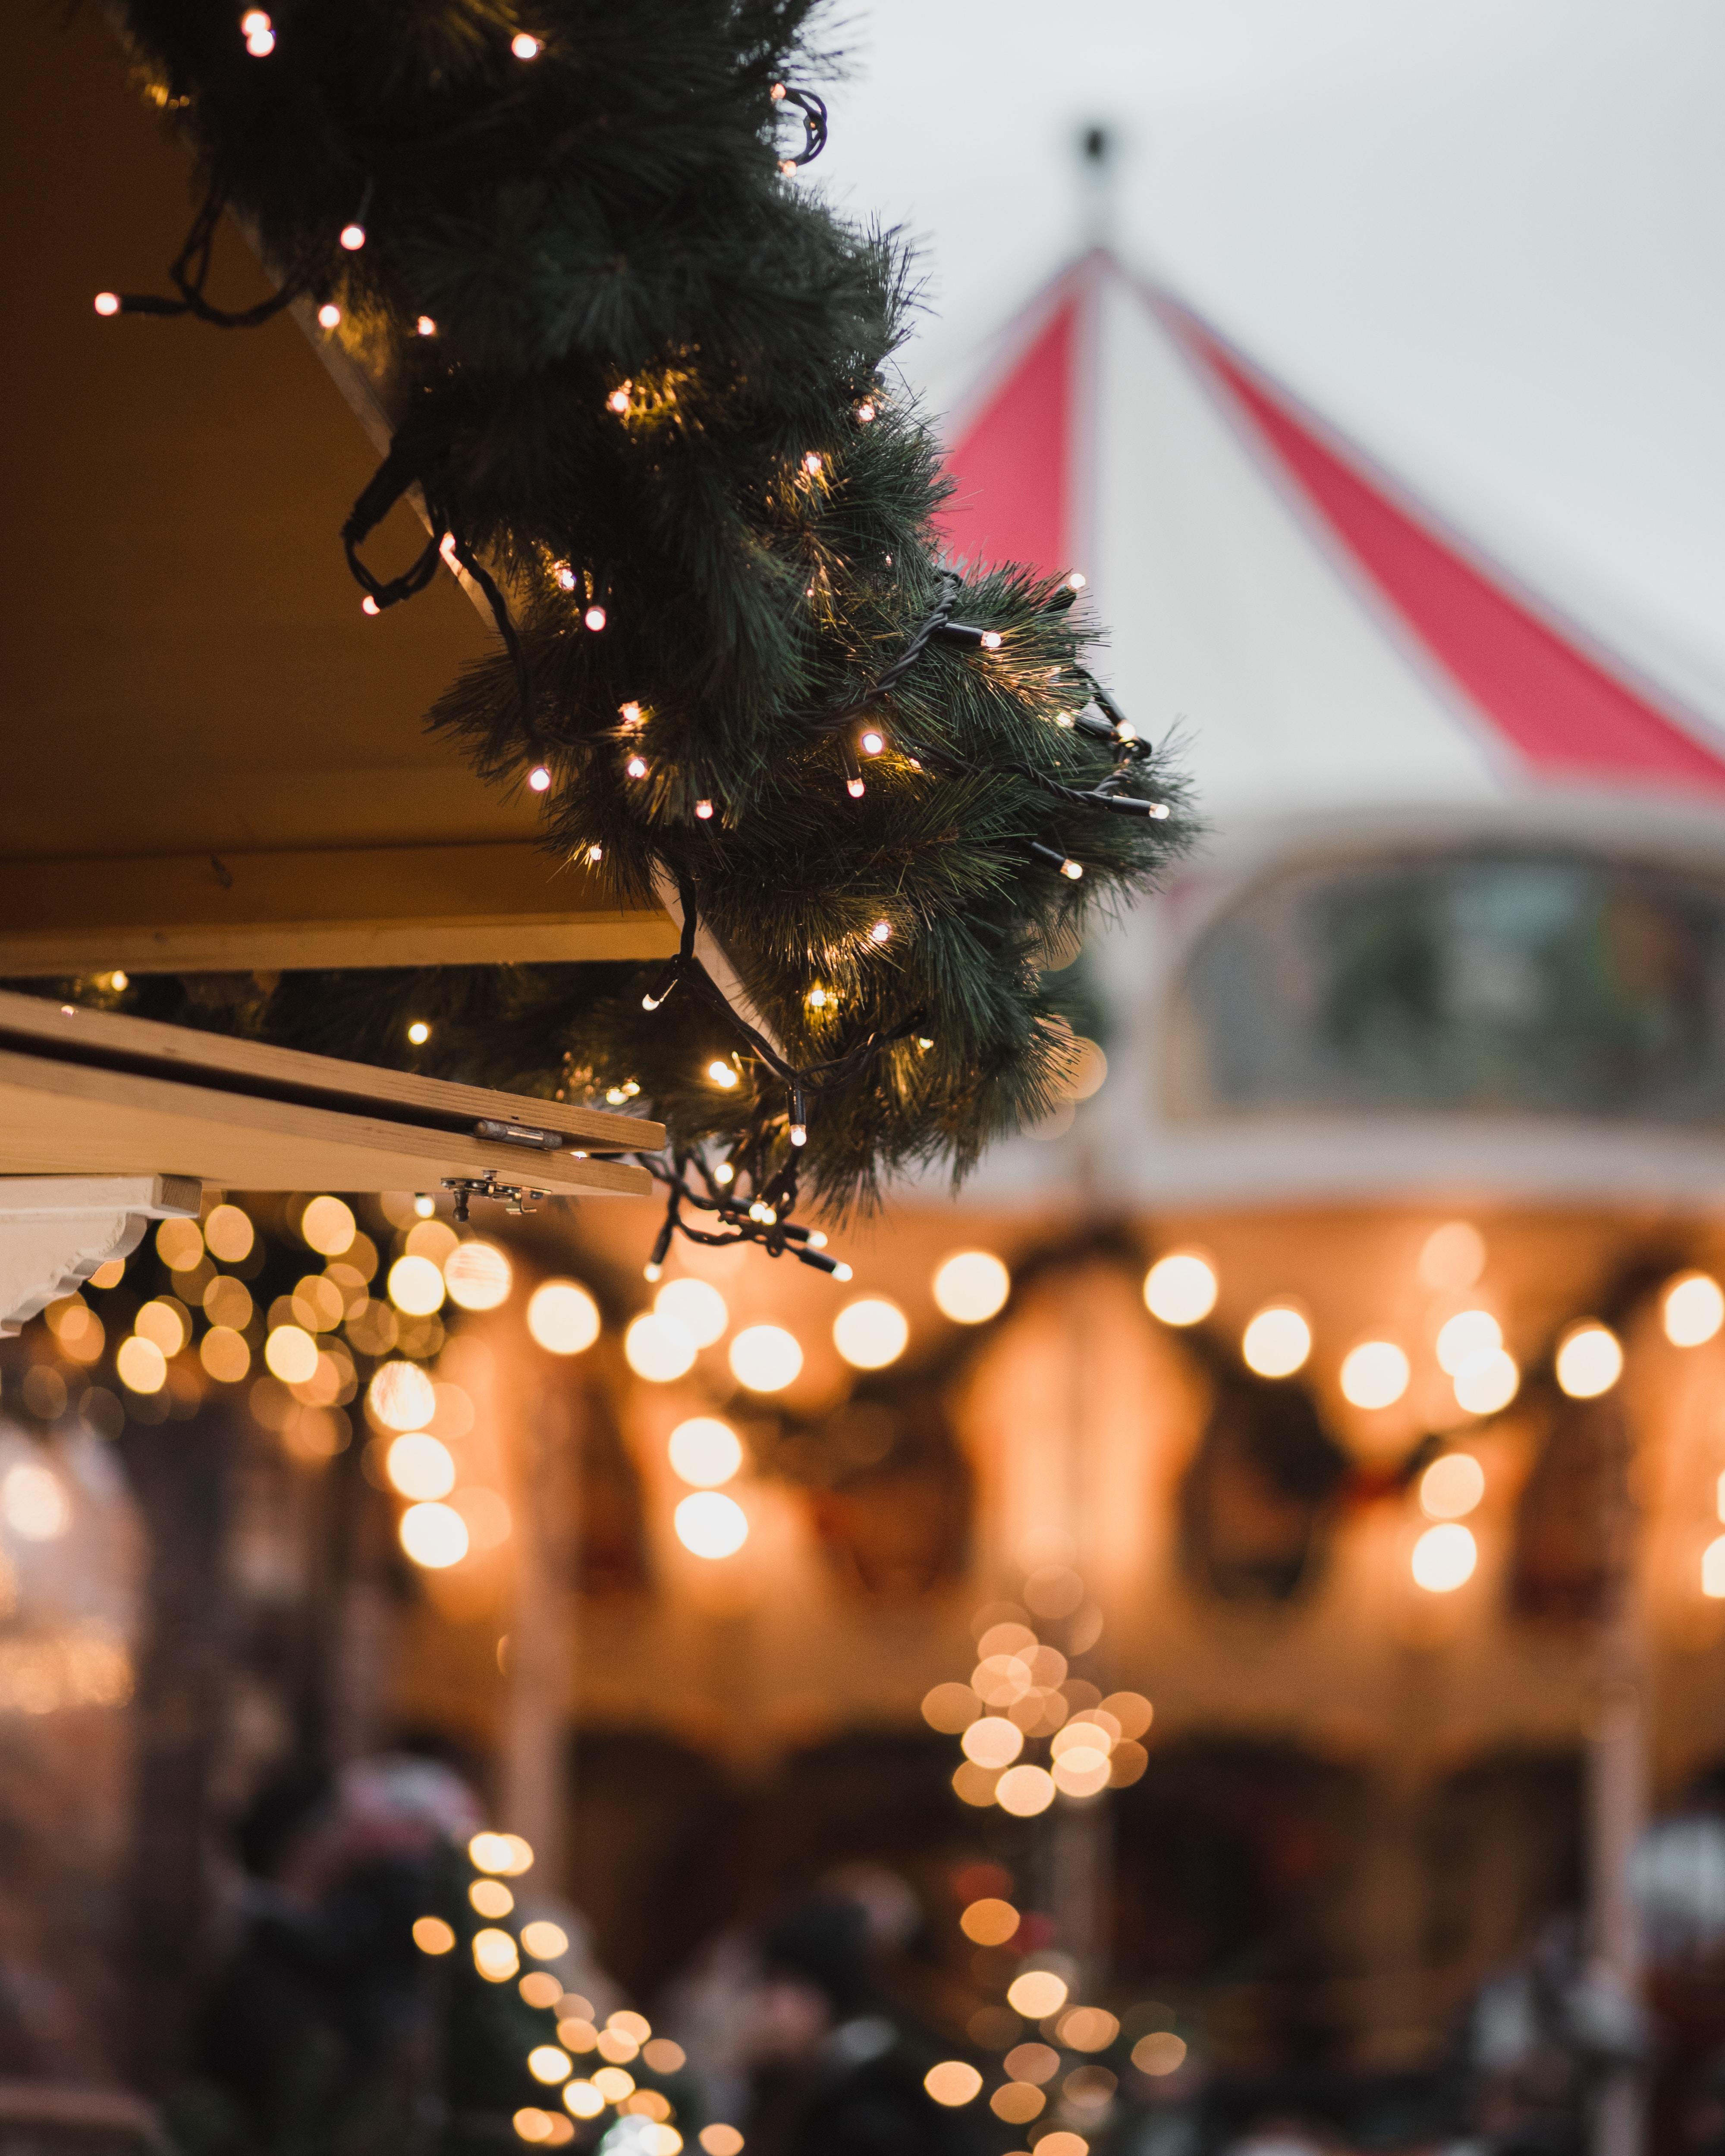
{"points": [[1321, 639]]}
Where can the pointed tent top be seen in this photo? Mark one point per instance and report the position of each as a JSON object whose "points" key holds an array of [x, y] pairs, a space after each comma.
{"points": [[1325, 638]]}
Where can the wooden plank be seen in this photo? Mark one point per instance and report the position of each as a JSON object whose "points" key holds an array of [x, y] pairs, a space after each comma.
{"points": [[383, 906], [67, 1119], [181, 1049]]}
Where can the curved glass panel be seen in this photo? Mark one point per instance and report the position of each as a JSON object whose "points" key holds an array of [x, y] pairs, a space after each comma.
{"points": [[1499, 980]]}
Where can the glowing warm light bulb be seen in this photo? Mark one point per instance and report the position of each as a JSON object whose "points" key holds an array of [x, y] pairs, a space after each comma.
{"points": [[369, 605], [1693, 1309], [420, 1467], [880, 931], [971, 1286], [259, 32], [426, 326], [618, 401], [705, 1451], [1374, 1374], [1452, 1486], [434, 1537], [1444, 1558], [871, 743], [722, 1074], [1590, 1360], [539, 778], [1487, 1382], [866, 412], [1276, 1342], [1077, 581], [594, 618], [711, 1525], [107, 303], [630, 714], [636, 766], [766, 1358], [990, 639], [704, 810], [697, 1306], [1181, 1288], [812, 464], [353, 237], [870, 1333], [329, 315], [657, 1348], [1073, 870], [564, 576], [523, 47], [1470, 1332], [855, 789], [725, 1173], [595, 855]]}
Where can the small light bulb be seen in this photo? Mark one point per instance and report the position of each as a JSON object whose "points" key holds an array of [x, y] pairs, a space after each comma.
{"points": [[787, 166], [254, 20], [594, 618], [1126, 730], [924, 1040], [636, 766], [446, 546], [724, 1172], [990, 639], [525, 48], [259, 33], [865, 413], [817, 1239], [811, 463], [565, 576], [1159, 811], [418, 1033], [873, 743], [649, 1271], [329, 315], [880, 931], [817, 999], [800, 1134], [722, 1073], [704, 809], [842, 1273], [539, 778], [1077, 581], [854, 787], [107, 303], [369, 605], [630, 714], [775, 92], [595, 855], [425, 1207], [618, 401], [353, 237], [1072, 870], [426, 326]]}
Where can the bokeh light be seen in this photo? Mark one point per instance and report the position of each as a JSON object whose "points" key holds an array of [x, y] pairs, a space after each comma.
{"points": [[657, 1348], [490, 1897], [142, 1367], [478, 1275], [1451, 1487], [1590, 1360], [229, 1234], [495, 1956], [563, 1317], [1032, 2062], [1017, 2101], [870, 1332], [420, 1465], [1374, 1374], [705, 1451], [161, 1322], [1036, 1993], [1024, 1791], [583, 2099], [1693, 1309], [400, 1397], [1160, 2053], [434, 1536], [766, 1358], [33, 1502], [993, 1741], [1487, 1381], [544, 1940], [224, 1354], [1712, 1569], [1453, 1257], [990, 1922], [1088, 2028], [416, 1286], [711, 1525], [720, 2140], [433, 1936], [971, 1286], [328, 1226], [950, 1708], [1444, 1558], [179, 1245], [1181, 1288], [697, 1306], [1469, 1333], [1277, 1341], [953, 2081]]}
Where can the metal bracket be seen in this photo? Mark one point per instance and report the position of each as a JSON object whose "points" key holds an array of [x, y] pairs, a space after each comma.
{"points": [[466, 1187]]}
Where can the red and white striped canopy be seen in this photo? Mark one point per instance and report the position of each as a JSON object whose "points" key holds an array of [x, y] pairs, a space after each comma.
{"points": [[1321, 639]]}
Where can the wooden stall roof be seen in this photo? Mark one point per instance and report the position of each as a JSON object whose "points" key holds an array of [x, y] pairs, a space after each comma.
{"points": [[213, 758]]}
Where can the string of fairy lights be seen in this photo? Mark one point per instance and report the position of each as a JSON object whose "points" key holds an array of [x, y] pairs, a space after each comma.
{"points": [[749, 1193]]}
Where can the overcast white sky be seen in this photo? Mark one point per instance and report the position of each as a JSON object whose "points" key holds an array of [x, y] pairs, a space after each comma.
{"points": [[1485, 237]]}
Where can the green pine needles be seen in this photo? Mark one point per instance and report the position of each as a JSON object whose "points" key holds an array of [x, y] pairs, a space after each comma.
{"points": [[652, 406]]}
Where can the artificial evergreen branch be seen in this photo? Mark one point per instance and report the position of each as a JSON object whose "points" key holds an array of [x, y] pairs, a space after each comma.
{"points": [[637, 375]]}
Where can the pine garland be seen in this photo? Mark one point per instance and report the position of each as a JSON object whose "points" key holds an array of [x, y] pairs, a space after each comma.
{"points": [[637, 374]]}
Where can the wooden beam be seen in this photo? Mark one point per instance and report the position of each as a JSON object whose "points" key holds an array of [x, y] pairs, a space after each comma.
{"points": [[380, 906]]}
